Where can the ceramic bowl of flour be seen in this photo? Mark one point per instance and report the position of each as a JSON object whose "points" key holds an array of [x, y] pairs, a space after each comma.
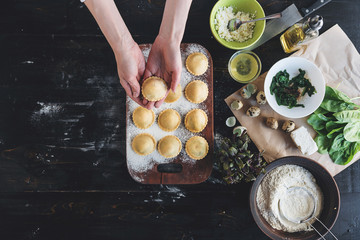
{"points": [[329, 192]]}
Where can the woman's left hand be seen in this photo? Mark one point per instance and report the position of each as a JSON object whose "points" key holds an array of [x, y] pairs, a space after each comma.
{"points": [[164, 61]]}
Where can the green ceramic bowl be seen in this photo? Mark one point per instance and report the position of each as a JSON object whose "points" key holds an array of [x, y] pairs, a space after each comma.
{"points": [[250, 6]]}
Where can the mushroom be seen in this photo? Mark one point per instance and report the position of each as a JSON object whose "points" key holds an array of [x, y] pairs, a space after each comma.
{"points": [[288, 126], [272, 123], [239, 130], [253, 111], [260, 98]]}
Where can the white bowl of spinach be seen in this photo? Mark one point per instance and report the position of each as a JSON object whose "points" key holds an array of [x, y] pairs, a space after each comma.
{"points": [[294, 87]]}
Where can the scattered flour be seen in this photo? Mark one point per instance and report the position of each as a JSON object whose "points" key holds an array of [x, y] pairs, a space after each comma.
{"points": [[47, 110], [138, 163], [289, 192]]}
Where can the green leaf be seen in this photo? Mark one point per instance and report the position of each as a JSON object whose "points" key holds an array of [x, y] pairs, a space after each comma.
{"points": [[340, 137], [352, 131], [323, 143], [321, 110], [348, 116], [316, 122], [334, 132], [339, 143], [355, 148], [334, 94], [331, 125], [338, 157], [344, 157], [336, 105]]}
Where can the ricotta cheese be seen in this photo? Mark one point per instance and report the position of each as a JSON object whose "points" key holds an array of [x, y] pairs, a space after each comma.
{"points": [[304, 141]]}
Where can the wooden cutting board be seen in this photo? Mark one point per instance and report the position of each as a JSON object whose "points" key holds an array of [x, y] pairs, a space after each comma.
{"points": [[181, 169]]}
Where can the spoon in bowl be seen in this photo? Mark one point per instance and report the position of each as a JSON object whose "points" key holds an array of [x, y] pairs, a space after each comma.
{"points": [[235, 23]]}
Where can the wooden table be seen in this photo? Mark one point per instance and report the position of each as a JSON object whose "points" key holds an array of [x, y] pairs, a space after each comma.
{"points": [[63, 170]]}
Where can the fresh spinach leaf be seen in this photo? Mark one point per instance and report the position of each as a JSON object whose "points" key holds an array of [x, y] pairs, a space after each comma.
{"points": [[344, 157], [331, 125], [316, 122], [334, 132], [336, 105], [323, 117], [340, 136], [352, 131], [323, 143], [334, 94], [339, 143], [338, 157], [355, 148], [321, 110], [348, 116]]}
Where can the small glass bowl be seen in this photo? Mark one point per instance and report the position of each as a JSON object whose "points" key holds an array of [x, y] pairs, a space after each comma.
{"points": [[256, 60]]}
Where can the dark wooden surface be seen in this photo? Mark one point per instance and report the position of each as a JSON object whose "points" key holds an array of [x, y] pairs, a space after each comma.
{"points": [[62, 130]]}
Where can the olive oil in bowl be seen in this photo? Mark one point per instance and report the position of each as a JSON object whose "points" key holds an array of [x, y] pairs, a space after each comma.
{"points": [[244, 66]]}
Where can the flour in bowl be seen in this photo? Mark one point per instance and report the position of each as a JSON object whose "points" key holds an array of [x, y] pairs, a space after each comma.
{"points": [[287, 195]]}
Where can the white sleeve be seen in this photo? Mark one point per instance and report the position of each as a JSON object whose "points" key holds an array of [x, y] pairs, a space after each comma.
{"points": [[82, 1]]}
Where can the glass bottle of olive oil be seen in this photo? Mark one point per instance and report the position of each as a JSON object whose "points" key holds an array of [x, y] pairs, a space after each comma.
{"points": [[300, 33]]}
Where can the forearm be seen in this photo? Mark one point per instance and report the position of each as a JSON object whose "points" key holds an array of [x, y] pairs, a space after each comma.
{"points": [[111, 23], [174, 20]]}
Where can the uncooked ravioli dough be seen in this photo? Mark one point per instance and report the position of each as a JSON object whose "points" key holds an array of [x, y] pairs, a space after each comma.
{"points": [[169, 120], [154, 88], [197, 147], [196, 120], [197, 63], [196, 91], [174, 96], [143, 118], [143, 144], [169, 146]]}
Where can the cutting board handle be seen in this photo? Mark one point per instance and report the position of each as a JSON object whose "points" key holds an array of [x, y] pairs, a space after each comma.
{"points": [[170, 168]]}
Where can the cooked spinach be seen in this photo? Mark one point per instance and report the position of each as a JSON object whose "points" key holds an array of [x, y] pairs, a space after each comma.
{"points": [[337, 122], [287, 91]]}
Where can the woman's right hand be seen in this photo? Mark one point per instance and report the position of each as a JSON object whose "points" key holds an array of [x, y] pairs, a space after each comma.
{"points": [[131, 66]]}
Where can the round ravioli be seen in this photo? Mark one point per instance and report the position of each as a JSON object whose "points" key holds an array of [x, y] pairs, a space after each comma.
{"points": [[174, 96], [197, 147], [197, 63], [169, 146], [169, 120], [196, 120], [154, 89], [196, 91], [143, 118], [143, 144]]}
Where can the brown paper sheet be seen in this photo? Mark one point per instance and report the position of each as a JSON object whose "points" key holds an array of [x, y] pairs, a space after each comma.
{"points": [[339, 62]]}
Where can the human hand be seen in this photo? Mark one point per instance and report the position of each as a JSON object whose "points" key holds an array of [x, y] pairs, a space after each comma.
{"points": [[131, 66], [164, 61]]}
